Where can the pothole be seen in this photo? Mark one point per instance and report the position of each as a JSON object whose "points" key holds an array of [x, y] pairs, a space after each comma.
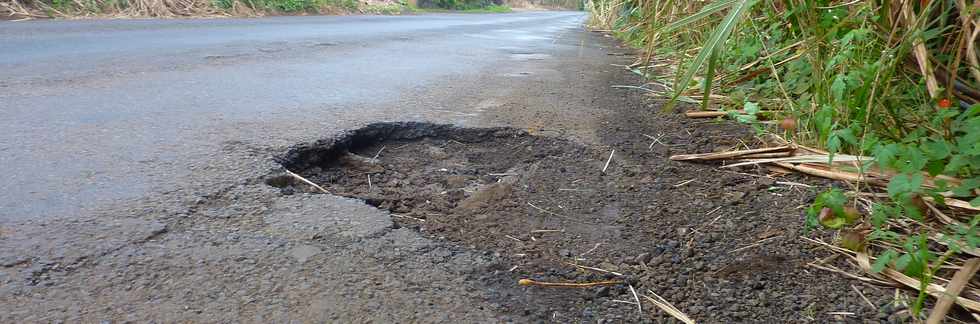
{"points": [[482, 186]]}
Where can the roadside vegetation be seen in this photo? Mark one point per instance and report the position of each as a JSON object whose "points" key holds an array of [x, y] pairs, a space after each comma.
{"points": [[880, 94], [464, 8], [188, 8]]}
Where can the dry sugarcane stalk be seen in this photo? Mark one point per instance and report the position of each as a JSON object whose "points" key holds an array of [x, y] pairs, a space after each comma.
{"points": [[662, 303], [864, 261], [727, 155], [769, 155], [953, 289], [830, 174], [971, 28], [953, 202], [921, 54], [529, 282], [799, 159], [933, 289], [718, 113]]}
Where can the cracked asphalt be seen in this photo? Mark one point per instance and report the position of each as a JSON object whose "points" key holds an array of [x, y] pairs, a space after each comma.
{"points": [[135, 153]]}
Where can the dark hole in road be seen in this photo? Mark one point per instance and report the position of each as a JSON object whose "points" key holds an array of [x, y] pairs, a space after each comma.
{"points": [[487, 187]]}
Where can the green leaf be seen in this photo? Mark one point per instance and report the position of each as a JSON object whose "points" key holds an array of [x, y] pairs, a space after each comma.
{"points": [[705, 12], [750, 108], [902, 184], [885, 155], [975, 202], [966, 187], [714, 43], [883, 261], [935, 167], [834, 222], [709, 76], [935, 150], [879, 215], [838, 87], [910, 159], [833, 146], [903, 261], [834, 199], [956, 163], [847, 134], [914, 267]]}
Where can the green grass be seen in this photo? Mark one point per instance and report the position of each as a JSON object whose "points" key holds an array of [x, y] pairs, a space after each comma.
{"points": [[290, 6], [849, 74], [488, 9], [388, 9], [146, 8]]}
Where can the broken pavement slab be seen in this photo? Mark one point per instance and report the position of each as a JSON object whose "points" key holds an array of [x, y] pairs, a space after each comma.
{"points": [[310, 217], [304, 252]]}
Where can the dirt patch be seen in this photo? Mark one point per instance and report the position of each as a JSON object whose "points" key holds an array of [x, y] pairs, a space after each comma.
{"points": [[721, 245]]}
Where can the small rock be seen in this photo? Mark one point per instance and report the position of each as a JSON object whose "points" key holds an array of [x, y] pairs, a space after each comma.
{"points": [[565, 253], [698, 265], [303, 253], [436, 152], [455, 182], [656, 260], [486, 195], [602, 292], [642, 258], [608, 266], [736, 197]]}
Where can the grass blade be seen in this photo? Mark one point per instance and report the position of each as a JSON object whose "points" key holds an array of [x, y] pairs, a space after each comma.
{"points": [[713, 44], [706, 11]]}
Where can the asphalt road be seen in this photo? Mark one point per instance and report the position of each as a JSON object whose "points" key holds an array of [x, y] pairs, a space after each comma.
{"points": [[135, 154], [96, 113]]}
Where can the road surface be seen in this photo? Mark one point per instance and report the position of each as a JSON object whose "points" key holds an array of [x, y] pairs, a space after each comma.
{"points": [[95, 112], [134, 151]]}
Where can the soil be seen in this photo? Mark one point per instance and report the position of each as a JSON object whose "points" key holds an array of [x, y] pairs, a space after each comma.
{"points": [[722, 246]]}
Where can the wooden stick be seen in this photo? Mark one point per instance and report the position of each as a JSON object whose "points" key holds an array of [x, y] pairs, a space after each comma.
{"points": [[609, 160], [593, 269], [529, 282], [300, 178], [953, 289], [379, 153], [639, 306], [866, 300], [705, 114]]}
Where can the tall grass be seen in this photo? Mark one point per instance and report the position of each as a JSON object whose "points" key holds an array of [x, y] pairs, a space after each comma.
{"points": [[171, 8], [897, 81]]}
